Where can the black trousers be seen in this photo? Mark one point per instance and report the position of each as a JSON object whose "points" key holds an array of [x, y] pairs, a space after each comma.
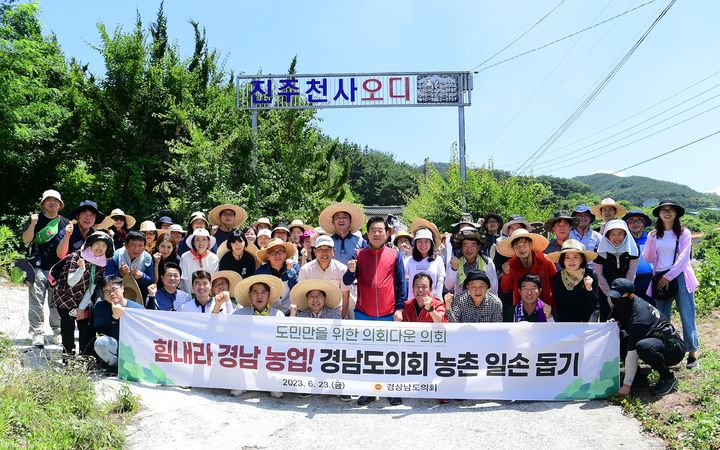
{"points": [[661, 354], [86, 330]]}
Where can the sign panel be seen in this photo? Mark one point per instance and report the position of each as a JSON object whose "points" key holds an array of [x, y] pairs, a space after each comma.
{"points": [[353, 90], [510, 361]]}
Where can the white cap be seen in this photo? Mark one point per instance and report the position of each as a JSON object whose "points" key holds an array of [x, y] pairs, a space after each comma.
{"points": [[423, 233], [264, 232], [324, 240]]}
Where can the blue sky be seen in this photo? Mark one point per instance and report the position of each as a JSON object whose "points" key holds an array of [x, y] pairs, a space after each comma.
{"points": [[516, 105]]}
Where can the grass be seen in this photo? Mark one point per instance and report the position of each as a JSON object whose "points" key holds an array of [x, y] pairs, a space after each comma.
{"points": [[47, 408], [689, 417]]}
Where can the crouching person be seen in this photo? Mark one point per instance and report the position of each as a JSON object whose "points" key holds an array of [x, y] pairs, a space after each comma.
{"points": [[646, 335], [107, 318], [255, 294]]}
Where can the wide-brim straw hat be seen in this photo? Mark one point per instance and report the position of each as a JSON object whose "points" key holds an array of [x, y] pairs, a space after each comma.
{"points": [[264, 221], [298, 294], [419, 223], [465, 218], [539, 242], [132, 290], [233, 278], [557, 217], [200, 232], [357, 216], [54, 194], [275, 242], [512, 221], [620, 210], [198, 215], [149, 225], [242, 290], [299, 223], [108, 222], [400, 234], [240, 214], [680, 210], [572, 245]]}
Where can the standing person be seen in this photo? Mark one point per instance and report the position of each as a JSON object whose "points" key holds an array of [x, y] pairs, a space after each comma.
{"points": [[307, 247], [575, 286], [277, 259], [262, 223], [637, 221], [668, 249], [263, 237], [43, 232], [470, 241], [108, 313], [341, 221], [525, 250], [167, 297], [423, 306], [583, 232], [560, 225], [177, 234], [197, 221], [132, 261], [403, 243], [164, 223], [380, 275], [234, 255], [297, 228], [645, 335], [425, 260], [617, 258], [477, 303], [199, 257], [165, 254], [227, 218], [492, 224], [281, 231], [325, 267], [608, 210], [152, 235], [118, 225], [250, 234], [75, 291], [86, 217]]}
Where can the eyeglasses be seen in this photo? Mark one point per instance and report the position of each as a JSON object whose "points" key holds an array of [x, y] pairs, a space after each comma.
{"points": [[112, 289], [277, 252], [635, 220], [316, 297]]}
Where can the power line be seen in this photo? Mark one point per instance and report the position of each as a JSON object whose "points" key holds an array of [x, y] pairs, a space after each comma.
{"points": [[563, 38], [575, 163], [595, 150], [521, 36], [668, 152], [576, 114]]}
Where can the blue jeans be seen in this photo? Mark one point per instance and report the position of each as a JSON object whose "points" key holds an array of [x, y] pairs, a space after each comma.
{"points": [[686, 306], [362, 316]]}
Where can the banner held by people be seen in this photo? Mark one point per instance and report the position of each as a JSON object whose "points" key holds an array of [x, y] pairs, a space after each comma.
{"points": [[502, 361]]}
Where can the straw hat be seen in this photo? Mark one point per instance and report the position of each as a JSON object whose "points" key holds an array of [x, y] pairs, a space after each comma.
{"points": [[240, 214], [357, 216], [108, 222], [539, 243], [262, 221], [299, 223], [298, 294], [132, 290], [149, 225], [200, 232], [54, 194], [620, 210], [275, 242], [572, 245], [233, 278], [465, 219], [198, 215], [419, 223], [242, 290], [176, 228], [400, 234]]}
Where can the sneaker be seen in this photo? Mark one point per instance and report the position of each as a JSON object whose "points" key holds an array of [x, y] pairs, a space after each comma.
{"points": [[395, 401], [38, 341], [664, 387], [236, 392], [304, 395], [692, 363], [276, 394], [365, 400], [344, 398]]}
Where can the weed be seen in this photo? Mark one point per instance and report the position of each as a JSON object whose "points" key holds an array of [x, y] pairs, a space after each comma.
{"points": [[125, 402]]}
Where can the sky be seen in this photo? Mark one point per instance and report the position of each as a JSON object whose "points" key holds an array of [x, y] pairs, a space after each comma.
{"points": [[662, 97]]}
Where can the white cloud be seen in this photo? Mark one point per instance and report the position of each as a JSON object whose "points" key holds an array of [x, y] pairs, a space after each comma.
{"points": [[716, 190], [612, 172]]}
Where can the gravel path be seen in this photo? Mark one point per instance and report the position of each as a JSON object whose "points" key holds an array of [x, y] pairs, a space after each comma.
{"points": [[172, 417]]}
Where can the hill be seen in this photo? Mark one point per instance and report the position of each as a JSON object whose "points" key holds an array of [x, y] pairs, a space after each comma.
{"points": [[639, 190]]}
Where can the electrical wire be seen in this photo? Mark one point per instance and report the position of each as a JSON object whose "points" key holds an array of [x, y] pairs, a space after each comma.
{"points": [[668, 152]]}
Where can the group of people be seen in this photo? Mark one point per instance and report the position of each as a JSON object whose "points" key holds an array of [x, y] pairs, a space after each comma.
{"points": [[91, 267]]}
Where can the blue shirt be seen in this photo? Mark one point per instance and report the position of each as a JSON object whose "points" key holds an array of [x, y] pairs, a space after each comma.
{"points": [[591, 239], [165, 301], [113, 268], [346, 247], [644, 267], [105, 323]]}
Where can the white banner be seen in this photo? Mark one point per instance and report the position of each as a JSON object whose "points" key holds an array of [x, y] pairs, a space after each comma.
{"points": [[503, 361]]}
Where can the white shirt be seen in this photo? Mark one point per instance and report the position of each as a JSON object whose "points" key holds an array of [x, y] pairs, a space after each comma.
{"points": [[190, 266], [434, 268], [193, 306], [665, 250]]}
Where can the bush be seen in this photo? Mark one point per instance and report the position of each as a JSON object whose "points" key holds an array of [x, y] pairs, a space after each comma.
{"points": [[8, 250]]}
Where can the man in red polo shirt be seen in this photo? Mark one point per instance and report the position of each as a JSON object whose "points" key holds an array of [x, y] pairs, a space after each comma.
{"points": [[423, 307]]}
